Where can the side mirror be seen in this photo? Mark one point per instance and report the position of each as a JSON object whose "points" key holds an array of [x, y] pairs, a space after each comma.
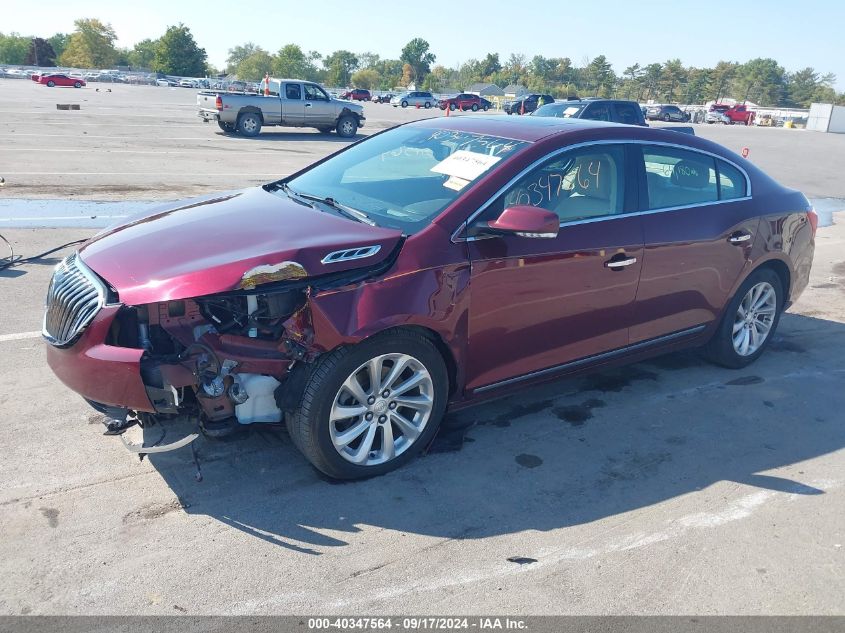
{"points": [[525, 221]]}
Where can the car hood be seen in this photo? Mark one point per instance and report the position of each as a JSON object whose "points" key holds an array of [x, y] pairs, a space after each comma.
{"points": [[208, 245]]}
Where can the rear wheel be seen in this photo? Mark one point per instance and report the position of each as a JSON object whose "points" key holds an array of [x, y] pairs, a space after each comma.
{"points": [[347, 126], [427, 104], [370, 408], [249, 124], [227, 128], [749, 322]]}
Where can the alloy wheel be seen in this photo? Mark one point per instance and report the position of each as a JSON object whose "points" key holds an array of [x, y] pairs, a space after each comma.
{"points": [[754, 318], [381, 409]]}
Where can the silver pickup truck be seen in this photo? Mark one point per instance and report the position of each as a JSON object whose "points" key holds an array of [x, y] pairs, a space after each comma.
{"points": [[291, 102]]}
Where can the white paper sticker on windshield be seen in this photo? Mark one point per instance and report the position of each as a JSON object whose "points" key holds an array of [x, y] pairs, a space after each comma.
{"points": [[570, 111], [455, 183], [466, 165]]}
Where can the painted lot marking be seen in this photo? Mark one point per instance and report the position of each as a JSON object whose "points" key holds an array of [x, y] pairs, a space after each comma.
{"points": [[19, 336]]}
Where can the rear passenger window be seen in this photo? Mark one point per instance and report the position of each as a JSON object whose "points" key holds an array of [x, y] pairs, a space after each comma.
{"points": [[293, 91], [677, 178], [598, 112], [626, 113], [731, 182]]}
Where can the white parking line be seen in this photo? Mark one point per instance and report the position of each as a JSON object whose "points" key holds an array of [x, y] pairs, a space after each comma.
{"points": [[18, 336]]}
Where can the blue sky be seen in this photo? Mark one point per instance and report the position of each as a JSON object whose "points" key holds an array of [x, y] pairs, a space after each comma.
{"points": [[797, 34]]}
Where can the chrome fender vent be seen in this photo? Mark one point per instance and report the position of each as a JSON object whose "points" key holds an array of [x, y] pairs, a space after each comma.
{"points": [[74, 297], [349, 254]]}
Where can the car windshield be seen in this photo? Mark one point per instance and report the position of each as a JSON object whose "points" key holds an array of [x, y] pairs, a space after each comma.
{"points": [[405, 177], [562, 110]]}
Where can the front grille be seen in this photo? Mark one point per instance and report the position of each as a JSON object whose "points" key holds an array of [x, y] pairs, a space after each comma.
{"points": [[73, 299]]}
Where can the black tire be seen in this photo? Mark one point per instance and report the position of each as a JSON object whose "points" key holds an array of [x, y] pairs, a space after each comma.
{"points": [[249, 124], [404, 104], [51, 84], [309, 424], [720, 349], [347, 126], [486, 108], [227, 128], [452, 107], [77, 85], [474, 107], [667, 118], [427, 105]]}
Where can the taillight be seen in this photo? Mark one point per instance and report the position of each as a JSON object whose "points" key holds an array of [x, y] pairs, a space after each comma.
{"points": [[813, 217], [218, 102]]}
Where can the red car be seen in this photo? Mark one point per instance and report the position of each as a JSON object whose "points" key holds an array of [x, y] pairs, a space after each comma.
{"points": [[465, 101], [430, 266], [357, 94], [59, 80], [738, 114]]}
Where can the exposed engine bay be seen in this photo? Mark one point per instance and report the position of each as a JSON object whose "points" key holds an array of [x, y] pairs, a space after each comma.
{"points": [[219, 358]]}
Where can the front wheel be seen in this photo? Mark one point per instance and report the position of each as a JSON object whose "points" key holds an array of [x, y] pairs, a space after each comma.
{"points": [[77, 84], [749, 322], [50, 84], [369, 409], [404, 104], [249, 124], [486, 108], [347, 126], [475, 107], [452, 107], [667, 118], [427, 105]]}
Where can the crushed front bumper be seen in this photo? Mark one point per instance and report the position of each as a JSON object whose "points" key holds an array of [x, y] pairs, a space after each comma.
{"points": [[99, 372]]}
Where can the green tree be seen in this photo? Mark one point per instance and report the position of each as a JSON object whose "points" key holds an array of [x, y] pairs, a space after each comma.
{"points": [[59, 43], [407, 74], [240, 53], [761, 81], [600, 77], [720, 79], [40, 53], [255, 66], [651, 78], [366, 78], [292, 63], [339, 67], [368, 60], [490, 65], [178, 54], [416, 53], [91, 45], [672, 76], [143, 54], [13, 48], [390, 71]]}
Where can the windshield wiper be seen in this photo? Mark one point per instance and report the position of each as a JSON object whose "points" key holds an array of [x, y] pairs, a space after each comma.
{"points": [[349, 212]]}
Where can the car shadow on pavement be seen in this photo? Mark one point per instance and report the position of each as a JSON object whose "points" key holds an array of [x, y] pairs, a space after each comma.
{"points": [[566, 453]]}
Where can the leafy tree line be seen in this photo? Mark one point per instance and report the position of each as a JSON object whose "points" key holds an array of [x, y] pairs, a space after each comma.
{"points": [[92, 45], [763, 81]]}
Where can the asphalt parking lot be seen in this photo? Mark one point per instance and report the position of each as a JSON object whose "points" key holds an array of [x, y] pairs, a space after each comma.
{"points": [[667, 487]]}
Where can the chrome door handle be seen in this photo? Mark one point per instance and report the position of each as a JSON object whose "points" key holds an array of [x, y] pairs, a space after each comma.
{"points": [[621, 263], [307, 105], [739, 238]]}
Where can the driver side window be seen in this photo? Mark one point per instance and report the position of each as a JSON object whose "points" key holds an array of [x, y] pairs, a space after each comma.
{"points": [[293, 91], [585, 183]]}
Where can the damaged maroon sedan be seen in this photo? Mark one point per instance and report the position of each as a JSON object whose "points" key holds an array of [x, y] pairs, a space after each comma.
{"points": [[429, 266]]}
